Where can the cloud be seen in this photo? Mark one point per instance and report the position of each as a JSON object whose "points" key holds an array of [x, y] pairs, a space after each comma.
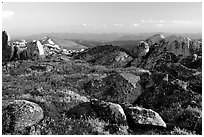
{"points": [[104, 25], [136, 25], [147, 21], [117, 25], [160, 25], [7, 14], [162, 22], [180, 22]]}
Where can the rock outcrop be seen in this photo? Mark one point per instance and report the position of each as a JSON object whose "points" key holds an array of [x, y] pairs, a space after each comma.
{"points": [[35, 50], [178, 45], [7, 48], [107, 55]]}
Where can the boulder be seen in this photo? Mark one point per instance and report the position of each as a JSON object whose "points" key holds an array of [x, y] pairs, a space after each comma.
{"points": [[107, 55], [141, 50], [20, 114], [143, 117], [178, 45], [7, 48], [106, 111], [35, 50], [157, 39], [115, 87]]}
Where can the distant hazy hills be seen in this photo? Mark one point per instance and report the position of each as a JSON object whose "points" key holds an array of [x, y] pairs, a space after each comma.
{"points": [[106, 37], [77, 41]]}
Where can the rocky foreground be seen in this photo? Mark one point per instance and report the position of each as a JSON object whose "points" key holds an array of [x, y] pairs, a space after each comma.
{"points": [[156, 88]]}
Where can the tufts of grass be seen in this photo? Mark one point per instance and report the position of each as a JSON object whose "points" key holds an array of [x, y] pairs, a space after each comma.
{"points": [[178, 131], [71, 126]]}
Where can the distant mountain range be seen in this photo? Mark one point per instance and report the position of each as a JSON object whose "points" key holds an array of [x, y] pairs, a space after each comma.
{"points": [[77, 41], [105, 37]]}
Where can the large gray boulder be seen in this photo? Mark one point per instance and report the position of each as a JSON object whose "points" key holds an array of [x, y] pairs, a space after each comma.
{"points": [[19, 115], [106, 111], [141, 116], [115, 87]]}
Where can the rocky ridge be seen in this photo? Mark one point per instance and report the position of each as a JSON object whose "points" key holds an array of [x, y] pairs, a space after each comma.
{"points": [[156, 89]]}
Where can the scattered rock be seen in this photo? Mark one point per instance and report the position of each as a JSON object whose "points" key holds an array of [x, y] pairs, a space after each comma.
{"points": [[161, 81], [170, 99]]}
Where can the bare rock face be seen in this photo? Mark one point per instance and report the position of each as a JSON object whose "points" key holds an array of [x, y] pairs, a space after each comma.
{"points": [[19, 115], [142, 116], [115, 87], [180, 49], [7, 49]]}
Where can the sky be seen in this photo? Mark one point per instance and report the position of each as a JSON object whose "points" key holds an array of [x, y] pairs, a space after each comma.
{"points": [[101, 17]]}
